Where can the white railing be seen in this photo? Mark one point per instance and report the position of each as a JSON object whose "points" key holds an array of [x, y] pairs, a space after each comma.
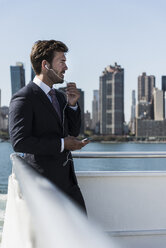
{"points": [[38, 215], [119, 154]]}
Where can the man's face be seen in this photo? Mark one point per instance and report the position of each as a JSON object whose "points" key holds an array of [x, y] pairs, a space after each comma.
{"points": [[59, 66]]}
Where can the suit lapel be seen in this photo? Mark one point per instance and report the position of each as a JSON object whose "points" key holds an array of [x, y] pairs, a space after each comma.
{"points": [[43, 97]]}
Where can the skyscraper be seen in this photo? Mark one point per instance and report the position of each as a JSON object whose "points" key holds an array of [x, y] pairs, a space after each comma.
{"points": [[87, 120], [158, 105], [111, 100], [144, 110], [163, 86], [0, 98], [150, 116], [17, 77], [4, 113], [163, 82], [32, 74], [95, 110], [133, 105], [81, 103], [145, 87], [132, 120]]}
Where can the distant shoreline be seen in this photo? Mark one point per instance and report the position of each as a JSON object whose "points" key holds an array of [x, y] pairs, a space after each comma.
{"points": [[111, 141], [4, 136], [4, 140], [145, 142]]}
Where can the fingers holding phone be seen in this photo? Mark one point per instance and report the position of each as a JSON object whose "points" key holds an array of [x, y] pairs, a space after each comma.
{"points": [[86, 140], [72, 143]]}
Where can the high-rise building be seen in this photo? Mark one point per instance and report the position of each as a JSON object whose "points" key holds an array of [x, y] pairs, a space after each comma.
{"points": [[144, 110], [132, 120], [150, 128], [145, 87], [164, 92], [95, 111], [0, 98], [163, 87], [163, 82], [17, 73], [32, 74], [151, 108], [111, 100], [4, 114], [87, 120], [81, 104], [158, 104], [133, 105]]}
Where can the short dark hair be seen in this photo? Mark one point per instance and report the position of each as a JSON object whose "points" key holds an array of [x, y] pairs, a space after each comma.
{"points": [[45, 49]]}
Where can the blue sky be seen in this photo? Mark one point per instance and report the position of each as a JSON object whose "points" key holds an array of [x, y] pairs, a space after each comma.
{"points": [[98, 33]]}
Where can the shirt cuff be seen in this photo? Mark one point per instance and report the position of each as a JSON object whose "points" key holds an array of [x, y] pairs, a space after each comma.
{"points": [[62, 144], [75, 107]]}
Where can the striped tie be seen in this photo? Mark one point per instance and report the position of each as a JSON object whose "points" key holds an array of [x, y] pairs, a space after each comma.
{"points": [[55, 102]]}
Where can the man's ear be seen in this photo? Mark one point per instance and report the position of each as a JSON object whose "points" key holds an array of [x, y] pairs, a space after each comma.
{"points": [[44, 65]]}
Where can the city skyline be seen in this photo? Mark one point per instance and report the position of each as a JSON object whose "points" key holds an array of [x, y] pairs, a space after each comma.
{"points": [[91, 101], [108, 103], [98, 34]]}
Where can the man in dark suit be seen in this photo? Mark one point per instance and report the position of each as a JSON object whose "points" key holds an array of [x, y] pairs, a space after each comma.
{"points": [[44, 123]]}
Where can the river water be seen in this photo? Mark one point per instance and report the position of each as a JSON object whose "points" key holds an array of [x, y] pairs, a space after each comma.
{"points": [[120, 164], [96, 164]]}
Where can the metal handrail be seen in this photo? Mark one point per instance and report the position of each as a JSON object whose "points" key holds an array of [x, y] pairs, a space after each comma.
{"points": [[119, 154]]}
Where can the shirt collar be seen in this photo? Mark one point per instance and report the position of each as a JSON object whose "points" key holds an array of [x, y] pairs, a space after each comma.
{"points": [[42, 85]]}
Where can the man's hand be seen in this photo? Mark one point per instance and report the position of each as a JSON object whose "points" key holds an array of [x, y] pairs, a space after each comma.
{"points": [[72, 94], [72, 144]]}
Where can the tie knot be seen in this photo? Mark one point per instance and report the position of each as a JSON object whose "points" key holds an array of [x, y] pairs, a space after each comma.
{"points": [[52, 92]]}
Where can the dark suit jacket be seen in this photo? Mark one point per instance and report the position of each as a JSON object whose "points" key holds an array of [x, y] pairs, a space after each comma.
{"points": [[36, 130]]}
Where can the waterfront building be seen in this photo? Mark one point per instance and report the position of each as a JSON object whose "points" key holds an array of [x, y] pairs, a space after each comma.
{"points": [[111, 100], [158, 104], [144, 110], [81, 104], [133, 109], [150, 120], [95, 111], [0, 112], [87, 120], [145, 87], [163, 87], [4, 116], [32, 74], [150, 111], [163, 83], [150, 128], [17, 73], [164, 104]]}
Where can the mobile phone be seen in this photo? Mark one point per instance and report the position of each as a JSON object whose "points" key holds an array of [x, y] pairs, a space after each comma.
{"points": [[87, 139]]}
